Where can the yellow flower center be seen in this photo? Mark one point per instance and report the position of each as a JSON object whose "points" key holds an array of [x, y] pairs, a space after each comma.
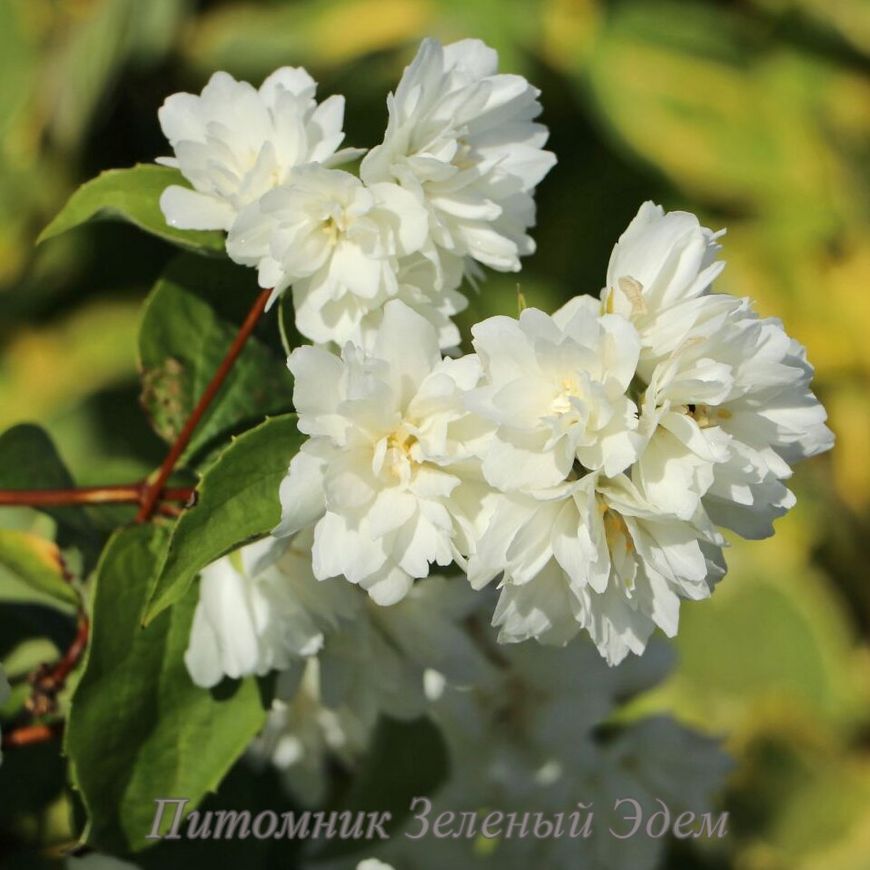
{"points": [[706, 416], [569, 389]]}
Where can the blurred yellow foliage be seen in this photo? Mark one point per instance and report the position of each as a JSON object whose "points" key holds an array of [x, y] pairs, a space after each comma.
{"points": [[754, 115], [48, 370]]}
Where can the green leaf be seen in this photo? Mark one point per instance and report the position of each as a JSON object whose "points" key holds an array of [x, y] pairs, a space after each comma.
{"points": [[237, 501], [406, 760], [190, 320], [132, 195], [37, 563], [138, 728]]}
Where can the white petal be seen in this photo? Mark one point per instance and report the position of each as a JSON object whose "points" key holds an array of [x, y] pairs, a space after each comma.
{"points": [[188, 209], [301, 494]]}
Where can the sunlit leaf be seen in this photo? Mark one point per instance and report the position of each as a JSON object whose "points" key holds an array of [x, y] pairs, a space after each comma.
{"points": [[37, 563], [131, 195], [237, 500], [139, 729]]}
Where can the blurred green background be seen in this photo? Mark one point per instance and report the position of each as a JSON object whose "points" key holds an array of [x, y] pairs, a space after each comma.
{"points": [[754, 114]]}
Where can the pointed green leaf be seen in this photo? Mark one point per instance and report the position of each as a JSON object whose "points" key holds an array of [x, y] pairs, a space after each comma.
{"points": [[132, 195], [190, 320], [237, 500], [138, 728]]}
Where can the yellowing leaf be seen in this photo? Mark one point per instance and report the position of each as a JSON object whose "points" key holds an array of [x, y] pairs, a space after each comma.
{"points": [[36, 562]]}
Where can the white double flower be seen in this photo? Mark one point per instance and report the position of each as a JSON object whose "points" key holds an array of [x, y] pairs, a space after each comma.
{"points": [[585, 460]]}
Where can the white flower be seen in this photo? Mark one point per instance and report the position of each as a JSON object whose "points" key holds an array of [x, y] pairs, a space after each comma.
{"points": [[417, 289], [461, 137], [375, 662], [234, 142], [659, 278], [383, 473], [594, 554], [556, 389], [727, 405], [301, 734], [5, 690], [259, 610], [337, 241], [735, 405], [378, 664], [606, 521], [532, 740]]}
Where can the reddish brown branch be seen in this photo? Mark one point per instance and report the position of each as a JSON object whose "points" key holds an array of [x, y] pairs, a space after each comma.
{"points": [[148, 496], [48, 682], [58, 674], [152, 493], [127, 493], [27, 735]]}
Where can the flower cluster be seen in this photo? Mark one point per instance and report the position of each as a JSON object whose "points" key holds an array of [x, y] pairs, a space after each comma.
{"points": [[342, 659], [533, 739], [588, 460], [521, 723], [451, 184]]}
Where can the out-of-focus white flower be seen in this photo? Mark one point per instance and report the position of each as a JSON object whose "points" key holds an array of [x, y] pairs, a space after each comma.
{"points": [[375, 662], [373, 864], [378, 664], [555, 387], [259, 610], [383, 472], [5, 690], [532, 741], [594, 554], [301, 734], [461, 137], [234, 142], [336, 240]]}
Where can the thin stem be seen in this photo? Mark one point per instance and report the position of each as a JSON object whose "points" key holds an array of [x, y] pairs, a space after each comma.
{"points": [[55, 679], [126, 493], [152, 493], [48, 682], [27, 735]]}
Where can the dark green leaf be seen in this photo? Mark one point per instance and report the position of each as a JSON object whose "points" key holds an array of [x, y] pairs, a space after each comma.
{"points": [[139, 729], [237, 500], [29, 460], [190, 320], [132, 195]]}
